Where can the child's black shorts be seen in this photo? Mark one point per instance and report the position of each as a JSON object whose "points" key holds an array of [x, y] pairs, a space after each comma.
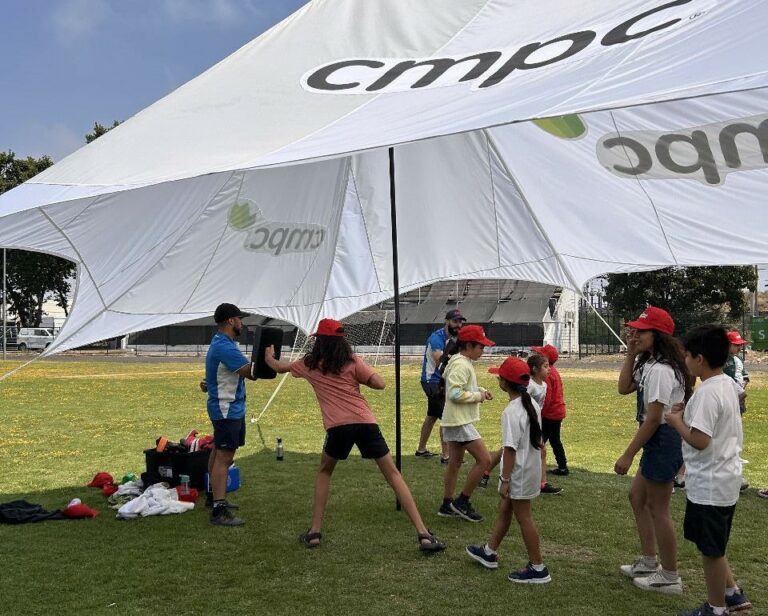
{"points": [[368, 438], [229, 433], [709, 527], [662, 455]]}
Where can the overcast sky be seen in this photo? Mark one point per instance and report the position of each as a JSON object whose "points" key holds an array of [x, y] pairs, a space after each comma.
{"points": [[70, 63]]}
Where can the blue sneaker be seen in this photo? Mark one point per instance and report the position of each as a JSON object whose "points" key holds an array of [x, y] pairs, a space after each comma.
{"points": [[489, 561], [529, 575], [737, 602], [702, 610]]}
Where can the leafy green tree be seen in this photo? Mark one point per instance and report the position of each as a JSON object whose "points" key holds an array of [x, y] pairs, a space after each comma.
{"points": [[99, 130], [692, 295], [32, 277]]}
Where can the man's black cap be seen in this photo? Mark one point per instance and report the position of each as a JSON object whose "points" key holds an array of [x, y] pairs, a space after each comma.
{"points": [[227, 311], [454, 315]]}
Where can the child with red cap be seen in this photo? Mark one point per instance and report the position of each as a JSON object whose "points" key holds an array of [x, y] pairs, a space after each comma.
{"points": [[463, 398], [520, 473], [654, 368], [734, 367], [552, 413], [336, 373]]}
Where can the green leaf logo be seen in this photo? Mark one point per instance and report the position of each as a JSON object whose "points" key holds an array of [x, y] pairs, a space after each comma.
{"points": [[563, 127], [241, 216]]}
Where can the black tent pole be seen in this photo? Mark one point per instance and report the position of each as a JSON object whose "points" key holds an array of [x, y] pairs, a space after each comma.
{"points": [[396, 281]]}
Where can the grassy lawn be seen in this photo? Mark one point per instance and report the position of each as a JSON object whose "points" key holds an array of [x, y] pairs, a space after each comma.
{"points": [[63, 421]]}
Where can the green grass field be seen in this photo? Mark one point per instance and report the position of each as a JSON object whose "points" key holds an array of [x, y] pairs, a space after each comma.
{"points": [[65, 420]]}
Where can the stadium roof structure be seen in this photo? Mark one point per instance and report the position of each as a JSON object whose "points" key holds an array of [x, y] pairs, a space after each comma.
{"points": [[538, 141]]}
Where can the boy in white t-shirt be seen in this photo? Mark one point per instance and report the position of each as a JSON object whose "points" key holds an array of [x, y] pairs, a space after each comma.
{"points": [[710, 427]]}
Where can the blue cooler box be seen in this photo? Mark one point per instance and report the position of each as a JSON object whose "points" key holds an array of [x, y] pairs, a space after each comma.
{"points": [[233, 479]]}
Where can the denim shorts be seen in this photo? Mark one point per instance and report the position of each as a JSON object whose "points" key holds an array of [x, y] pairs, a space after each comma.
{"points": [[662, 455]]}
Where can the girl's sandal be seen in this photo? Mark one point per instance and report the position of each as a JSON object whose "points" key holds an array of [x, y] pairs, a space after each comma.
{"points": [[429, 543], [308, 537]]}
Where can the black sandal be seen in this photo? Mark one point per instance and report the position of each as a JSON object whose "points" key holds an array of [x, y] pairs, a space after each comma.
{"points": [[308, 537], [434, 545]]}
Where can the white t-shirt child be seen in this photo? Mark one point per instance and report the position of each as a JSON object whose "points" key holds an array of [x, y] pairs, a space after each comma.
{"points": [[525, 479], [713, 474], [658, 383], [537, 391]]}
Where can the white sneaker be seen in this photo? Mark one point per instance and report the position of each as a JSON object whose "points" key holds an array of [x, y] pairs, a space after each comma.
{"points": [[659, 583], [638, 569]]}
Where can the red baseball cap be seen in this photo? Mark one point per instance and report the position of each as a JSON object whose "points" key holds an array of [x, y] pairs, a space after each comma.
{"points": [[734, 337], [329, 327], [514, 370], [474, 333], [547, 351], [654, 318]]}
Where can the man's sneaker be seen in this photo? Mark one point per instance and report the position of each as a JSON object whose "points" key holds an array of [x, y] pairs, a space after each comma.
{"points": [[529, 575], [561, 472], [763, 493], [548, 488], [489, 561], [425, 454], [639, 568], [702, 610], [744, 486], [659, 583], [444, 460], [209, 502], [483, 483], [679, 484], [222, 516], [464, 510], [445, 511], [737, 602]]}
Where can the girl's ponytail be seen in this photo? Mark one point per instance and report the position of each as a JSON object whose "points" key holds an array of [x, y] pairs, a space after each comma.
{"points": [[533, 418]]}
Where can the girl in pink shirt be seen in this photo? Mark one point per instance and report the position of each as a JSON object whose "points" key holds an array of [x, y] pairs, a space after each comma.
{"points": [[336, 374]]}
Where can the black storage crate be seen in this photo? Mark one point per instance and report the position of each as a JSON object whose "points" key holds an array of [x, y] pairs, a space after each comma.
{"points": [[170, 465]]}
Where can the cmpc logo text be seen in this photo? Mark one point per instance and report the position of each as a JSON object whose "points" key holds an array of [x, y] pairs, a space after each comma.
{"points": [[706, 153], [275, 238]]}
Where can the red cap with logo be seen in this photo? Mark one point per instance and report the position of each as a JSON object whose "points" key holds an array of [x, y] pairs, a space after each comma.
{"points": [[329, 327], [654, 318], [514, 370], [734, 337], [474, 333], [547, 351]]}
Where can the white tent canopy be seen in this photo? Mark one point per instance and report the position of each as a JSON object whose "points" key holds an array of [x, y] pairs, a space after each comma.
{"points": [[264, 181]]}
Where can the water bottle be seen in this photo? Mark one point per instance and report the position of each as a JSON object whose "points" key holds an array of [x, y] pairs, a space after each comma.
{"points": [[279, 450], [184, 482]]}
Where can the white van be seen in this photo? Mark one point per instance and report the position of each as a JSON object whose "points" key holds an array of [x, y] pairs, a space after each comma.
{"points": [[31, 338]]}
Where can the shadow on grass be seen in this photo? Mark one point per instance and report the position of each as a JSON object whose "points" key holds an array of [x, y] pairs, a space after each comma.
{"points": [[369, 562]]}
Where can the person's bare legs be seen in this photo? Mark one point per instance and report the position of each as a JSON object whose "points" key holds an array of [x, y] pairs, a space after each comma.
{"points": [[643, 519], [658, 495], [426, 431], [443, 445], [716, 573], [501, 523], [402, 491], [322, 490], [543, 463], [479, 452], [528, 530], [218, 470], [456, 456]]}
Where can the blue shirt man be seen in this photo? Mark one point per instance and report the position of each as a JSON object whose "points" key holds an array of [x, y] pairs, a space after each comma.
{"points": [[226, 369], [430, 379]]}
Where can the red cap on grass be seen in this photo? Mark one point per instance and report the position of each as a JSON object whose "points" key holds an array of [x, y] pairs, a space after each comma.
{"points": [[514, 370], [79, 511], [547, 351], [654, 318], [474, 333], [734, 337], [100, 480], [329, 327]]}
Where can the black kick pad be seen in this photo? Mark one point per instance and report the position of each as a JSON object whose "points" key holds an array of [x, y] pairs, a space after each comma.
{"points": [[264, 337]]}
